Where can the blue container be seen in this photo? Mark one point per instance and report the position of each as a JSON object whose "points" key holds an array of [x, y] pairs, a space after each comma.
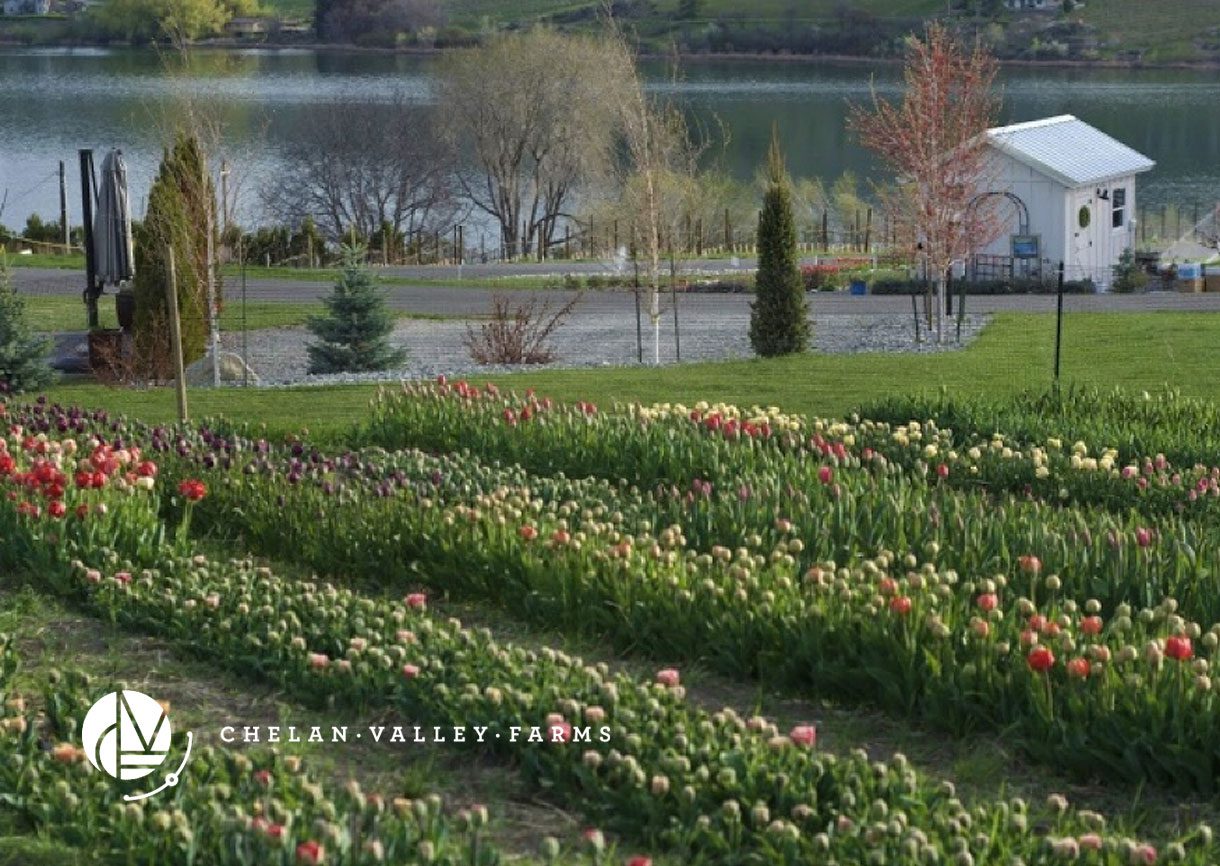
{"points": [[859, 287], [1190, 271]]}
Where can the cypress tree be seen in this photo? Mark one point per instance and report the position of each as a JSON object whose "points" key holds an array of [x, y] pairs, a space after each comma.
{"points": [[23, 354], [177, 216], [354, 334], [779, 322]]}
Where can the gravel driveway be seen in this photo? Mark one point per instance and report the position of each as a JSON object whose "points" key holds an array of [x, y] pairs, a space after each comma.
{"points": [[592, 340]]}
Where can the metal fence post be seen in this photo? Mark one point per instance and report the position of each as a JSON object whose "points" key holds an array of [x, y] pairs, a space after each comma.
{"points": [[1059, 325]]}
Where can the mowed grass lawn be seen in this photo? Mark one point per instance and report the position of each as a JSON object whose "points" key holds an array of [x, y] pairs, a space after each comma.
{"points": [[52, 313], [1015, 352]]}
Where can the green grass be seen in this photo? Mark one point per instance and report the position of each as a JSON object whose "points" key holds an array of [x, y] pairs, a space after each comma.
{"points": [[1139, 351], [75, 262], [1166, 31], [64, 313]]}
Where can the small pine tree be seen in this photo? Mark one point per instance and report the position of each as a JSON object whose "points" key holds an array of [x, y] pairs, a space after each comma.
{"points": [[354, 333], [779, 321], [23, 354]]}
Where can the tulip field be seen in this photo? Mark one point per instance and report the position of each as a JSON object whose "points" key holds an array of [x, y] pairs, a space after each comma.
{"points": [[1054, 583]]}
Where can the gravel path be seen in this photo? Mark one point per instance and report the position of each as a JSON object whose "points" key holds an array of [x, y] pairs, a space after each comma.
{"points": [[279, 356]]}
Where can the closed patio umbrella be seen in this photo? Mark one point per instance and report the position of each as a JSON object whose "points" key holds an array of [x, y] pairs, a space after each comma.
{"points": [[112, 244]]}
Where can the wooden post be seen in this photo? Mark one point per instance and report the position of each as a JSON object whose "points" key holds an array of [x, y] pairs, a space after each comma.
{"points": [[868, 230], [63, 208], [175, 334], [210, 275], [825, 229], [728, 232]]}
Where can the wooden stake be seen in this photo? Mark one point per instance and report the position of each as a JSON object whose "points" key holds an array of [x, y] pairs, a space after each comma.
{"points": [[175, 333]]}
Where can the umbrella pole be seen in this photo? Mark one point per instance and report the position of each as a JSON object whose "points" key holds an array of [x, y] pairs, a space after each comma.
{"points": [[91, 293]]}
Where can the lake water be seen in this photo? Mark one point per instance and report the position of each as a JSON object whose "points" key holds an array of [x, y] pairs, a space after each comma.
{"points": [[54, 101]]}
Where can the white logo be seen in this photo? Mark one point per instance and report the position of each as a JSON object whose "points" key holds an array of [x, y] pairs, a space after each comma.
{"points": [[127, 735]]}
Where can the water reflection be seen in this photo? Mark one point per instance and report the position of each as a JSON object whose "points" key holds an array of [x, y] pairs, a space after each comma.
{"points": [[53, 101]]}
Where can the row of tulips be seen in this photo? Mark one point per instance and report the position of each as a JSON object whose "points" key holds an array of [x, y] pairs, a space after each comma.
{"points": [[231, 808], [706, 787], [908, 635], [1185, 429], [675, 444]]}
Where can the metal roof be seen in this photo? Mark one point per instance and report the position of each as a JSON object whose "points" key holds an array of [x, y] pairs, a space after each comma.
{"points": [[1068, 150]]}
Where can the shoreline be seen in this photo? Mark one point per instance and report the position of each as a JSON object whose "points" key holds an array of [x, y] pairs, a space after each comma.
{"points": [[687, 57]]}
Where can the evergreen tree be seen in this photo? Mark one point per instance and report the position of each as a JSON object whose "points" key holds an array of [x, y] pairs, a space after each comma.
{"points": [[177, 216], [23, 355], [779, 323], [353, 335]]}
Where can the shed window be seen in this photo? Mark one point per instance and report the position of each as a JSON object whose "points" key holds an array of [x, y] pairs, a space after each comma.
{"points": [[1118, 217]]}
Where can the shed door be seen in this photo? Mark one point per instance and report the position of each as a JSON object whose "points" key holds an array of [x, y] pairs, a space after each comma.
{"points": [[1083, 217]]}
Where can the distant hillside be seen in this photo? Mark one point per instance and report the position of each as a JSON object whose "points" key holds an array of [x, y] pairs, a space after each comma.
{"points": [[1152, 31]]}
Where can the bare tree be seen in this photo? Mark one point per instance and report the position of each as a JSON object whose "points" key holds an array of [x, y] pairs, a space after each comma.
{"points": [[935, 143], [660, 171], [528, 110], [356, 168]]}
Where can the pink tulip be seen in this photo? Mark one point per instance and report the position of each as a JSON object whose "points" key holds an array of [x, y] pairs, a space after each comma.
{"points": [[668, 677], [803, 735]]}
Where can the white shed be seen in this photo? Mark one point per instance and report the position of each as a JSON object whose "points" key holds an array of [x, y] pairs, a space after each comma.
{"points": [[1071, 198]]}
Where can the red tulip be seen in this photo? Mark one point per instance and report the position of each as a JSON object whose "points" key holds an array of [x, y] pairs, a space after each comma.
{"points": [[193, 490], [1079, 668], [311, 853], [1091, 625], [1178, 648], [417, 600], [900, 604], [1040, 659], [1030, 564], [942, 470], [988, 601], [640, 860], [263, 778], [57, 509], [826, 475]]}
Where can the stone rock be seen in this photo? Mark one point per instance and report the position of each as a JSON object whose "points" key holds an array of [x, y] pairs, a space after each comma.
{"points": [[232, 371]]}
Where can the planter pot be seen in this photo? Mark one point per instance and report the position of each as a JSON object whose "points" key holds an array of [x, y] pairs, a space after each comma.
{"points": [[125, 308]]}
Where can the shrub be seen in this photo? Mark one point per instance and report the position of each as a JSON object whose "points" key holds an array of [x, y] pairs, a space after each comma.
{"points": [[23, 365], [354, 334], [1128, 275], [818, 277], [517, 335], [779, 323]]}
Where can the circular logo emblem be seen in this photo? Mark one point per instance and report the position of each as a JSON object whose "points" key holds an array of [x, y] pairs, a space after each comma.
{"points": [[126, 734]]}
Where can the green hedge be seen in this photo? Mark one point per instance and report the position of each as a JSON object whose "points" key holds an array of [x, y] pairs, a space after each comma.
{"points": [[985, 287]]}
